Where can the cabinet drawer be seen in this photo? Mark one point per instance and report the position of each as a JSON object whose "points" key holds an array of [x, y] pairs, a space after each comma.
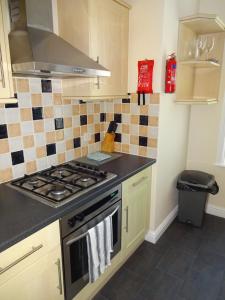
{"points": [[136, 180], [23, 254]]}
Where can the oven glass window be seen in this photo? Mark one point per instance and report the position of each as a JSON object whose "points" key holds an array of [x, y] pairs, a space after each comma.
{"points": [[115, 227]]}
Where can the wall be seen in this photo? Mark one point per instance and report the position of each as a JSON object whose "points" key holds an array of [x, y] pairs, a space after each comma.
{"points": [[205, 125]]}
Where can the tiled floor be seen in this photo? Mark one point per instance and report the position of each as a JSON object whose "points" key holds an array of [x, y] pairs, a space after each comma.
{"points": [[186, 264]]}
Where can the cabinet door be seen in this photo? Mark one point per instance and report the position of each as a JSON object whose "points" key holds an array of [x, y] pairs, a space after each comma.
{"points": [[136, 197], [6, 89], [40, 281]]}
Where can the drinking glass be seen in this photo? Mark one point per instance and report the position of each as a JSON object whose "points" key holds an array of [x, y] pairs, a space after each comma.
{"points": [[210, 43]]}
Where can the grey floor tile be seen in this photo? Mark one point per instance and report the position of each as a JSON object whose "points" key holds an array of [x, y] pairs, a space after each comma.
{"points": [[214, 243], [99, 297], [206, 259]]}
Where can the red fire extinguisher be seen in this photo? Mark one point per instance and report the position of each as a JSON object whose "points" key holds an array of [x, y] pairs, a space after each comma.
{"points": [[170, 80]]}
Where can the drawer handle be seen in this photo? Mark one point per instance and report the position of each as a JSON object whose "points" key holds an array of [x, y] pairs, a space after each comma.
{"points": [[2, 78], [59, 275], [34, 249], [139, 181]]}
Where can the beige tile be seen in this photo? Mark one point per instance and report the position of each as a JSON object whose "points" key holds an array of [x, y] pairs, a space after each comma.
{"points": [[92, 139], [117, 108], [152, 143], [83, 129], [77, 152], [97, 127], [125, 128], [134, 119], [6, 175], [96, 108], [117, 147], [14, 130], [125, 148], [31, 167], [66, 101], [155, 98], [4, 146], [48, 112], [144, 110], [126, 108], [59, 135], [38, 126], [83, 109], [41, 152], [76, 132], [28, 141], [84, 151], [102, 127], [68, 122], [61, 158], [142, 151], [134, 98], [109, 117], [76, 110], [153, 121], [57, 99], [134, 139], [50, 137], [26, 114], [90, 119], [69, 145], [22, 85], [143, 130], [36, 100]]}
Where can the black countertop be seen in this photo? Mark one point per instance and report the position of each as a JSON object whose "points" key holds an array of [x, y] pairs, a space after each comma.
{"points": [[21, 215]]}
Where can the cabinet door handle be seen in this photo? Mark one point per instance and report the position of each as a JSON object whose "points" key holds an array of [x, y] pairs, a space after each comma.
{"points": [[59, 276], [139, 181], [127, 221], [34, 249], [2, 70], [98, 78]]}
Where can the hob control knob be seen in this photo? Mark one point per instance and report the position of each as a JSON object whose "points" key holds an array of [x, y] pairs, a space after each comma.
{"points": [[80, 217], [72, 222]]}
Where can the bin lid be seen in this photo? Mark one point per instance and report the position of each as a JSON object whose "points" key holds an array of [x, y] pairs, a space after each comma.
{"points": [[196, 179]]}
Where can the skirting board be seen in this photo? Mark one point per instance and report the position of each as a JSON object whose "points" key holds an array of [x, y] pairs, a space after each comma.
{"points": [[153, 236], [215, 210]]}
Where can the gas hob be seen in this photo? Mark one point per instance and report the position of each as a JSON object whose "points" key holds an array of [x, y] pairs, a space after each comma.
{"points": [[61, 184]]}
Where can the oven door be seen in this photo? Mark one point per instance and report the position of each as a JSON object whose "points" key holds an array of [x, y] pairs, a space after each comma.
{"points": [[75, 253]]}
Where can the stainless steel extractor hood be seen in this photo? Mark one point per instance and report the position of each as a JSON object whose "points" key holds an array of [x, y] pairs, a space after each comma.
{"points": [[37, 51]]}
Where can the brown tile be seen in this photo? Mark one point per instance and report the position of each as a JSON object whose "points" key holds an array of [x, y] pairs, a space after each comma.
{"points": [[59, 135], [61, 158], [143, 130], [76, 132], [142, 151], [125, 128], [117, 147], [126, 108], [83, 129], [155, 98], [152, 143], [36, 100], [97, 127], [134, 139], [39, 126], [26, 114], [14, 130], [66, 101], [50, 137], [48, 112], [41, 152], [4, 146], [144, 110], [117, 108], [22, 85], [68, 122], [153, 121], [83, 109], [84, 151], [76, 109], [109, 117], [125, 148], [57, 99], [97, 108], [90, 119], [102, 127], [77, 152], [134, 119], [69, 145], [28, 141], [6, 175], [31, 167]]}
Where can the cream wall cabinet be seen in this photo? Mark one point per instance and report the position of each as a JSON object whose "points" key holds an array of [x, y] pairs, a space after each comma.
{"points": [[6, 84], [136, 208], [32, 268], [198, 80], [99, 29]]}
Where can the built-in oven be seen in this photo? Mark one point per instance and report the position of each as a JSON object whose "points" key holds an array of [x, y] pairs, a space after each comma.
{"points": [[74, 230]]}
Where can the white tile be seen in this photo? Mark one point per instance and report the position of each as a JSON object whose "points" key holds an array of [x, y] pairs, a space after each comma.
{"points": [[67, 111], [39, 139], [42, 163], [153, 132], [90, 108], [12, 115], [52, 160], [19, 170], [5, 161], [134, 149], [154, 110], [119, 128], [96, 118], [29, 154], [56, 85], [76, 121], [90, 129], [15, 144], [47, 99], [125, 138], [2, 116], [68, 133], [49, 125], [60, 147], [27, 127], [134, 109], [102, 106], [134, 129], [109, 107], [152, 152], [24, 100], [35, 85], [126, 118], [69, 155], [58, 112]]}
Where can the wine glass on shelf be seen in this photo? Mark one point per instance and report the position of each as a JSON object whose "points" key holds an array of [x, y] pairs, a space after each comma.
{"points": [[210, 43], [200, 46]]}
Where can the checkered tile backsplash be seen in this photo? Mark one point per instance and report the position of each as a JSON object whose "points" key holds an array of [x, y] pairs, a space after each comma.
{"points": [[43, 129]]}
